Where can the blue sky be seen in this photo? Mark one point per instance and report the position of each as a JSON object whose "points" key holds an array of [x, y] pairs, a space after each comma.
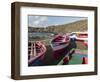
{"points": [[44, 21]]}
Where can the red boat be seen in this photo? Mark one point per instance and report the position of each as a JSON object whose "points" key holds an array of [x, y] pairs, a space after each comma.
{"points": [[59, 43], [36, 51], [81, 37]]}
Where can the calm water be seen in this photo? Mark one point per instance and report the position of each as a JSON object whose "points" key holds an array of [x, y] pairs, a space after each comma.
{"points": [[40, 34]]}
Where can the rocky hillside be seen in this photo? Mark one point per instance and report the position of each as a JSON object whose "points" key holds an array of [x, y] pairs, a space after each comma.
{"points": [[81, 25]]}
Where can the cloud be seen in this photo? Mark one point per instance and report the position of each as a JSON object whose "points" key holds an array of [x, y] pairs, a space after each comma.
{"points": [[56, 24], [44, 18], [37, 21]]}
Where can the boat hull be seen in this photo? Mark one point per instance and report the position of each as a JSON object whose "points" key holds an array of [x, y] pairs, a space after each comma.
{"points": [[60, 50], [39, 55]]}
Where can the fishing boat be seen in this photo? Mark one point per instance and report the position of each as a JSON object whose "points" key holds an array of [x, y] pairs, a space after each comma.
{"points": [[80, 37], [59, 44], [36, 52]]}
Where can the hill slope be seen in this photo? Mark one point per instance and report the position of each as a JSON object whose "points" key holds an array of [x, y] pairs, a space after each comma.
{"points": [[71, 27]]}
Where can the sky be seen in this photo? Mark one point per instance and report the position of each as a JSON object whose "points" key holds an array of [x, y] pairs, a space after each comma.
{"points": [[44, 21]]}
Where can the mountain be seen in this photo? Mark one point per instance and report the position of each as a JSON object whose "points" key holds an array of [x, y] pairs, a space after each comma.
{"points": [[81, 25]]}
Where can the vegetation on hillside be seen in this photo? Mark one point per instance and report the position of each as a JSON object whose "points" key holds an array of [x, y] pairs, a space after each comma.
{"points": [[65, 28]]}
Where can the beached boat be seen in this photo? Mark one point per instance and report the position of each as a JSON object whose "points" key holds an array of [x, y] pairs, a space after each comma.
{"points": [[81, 37], [59, 44], [36, 52]]}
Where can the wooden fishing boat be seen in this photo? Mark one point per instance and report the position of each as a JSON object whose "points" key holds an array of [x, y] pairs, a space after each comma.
{"points": [[81, 37], [59, 44], [36, 52]]}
